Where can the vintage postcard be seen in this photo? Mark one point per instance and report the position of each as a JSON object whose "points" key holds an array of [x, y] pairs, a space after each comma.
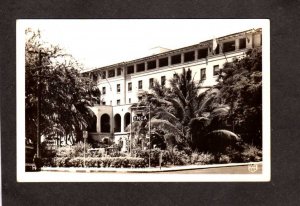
{"points": [[143, 100]]}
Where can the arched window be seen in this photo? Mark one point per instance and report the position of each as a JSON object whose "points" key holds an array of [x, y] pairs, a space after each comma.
{"points": [[126, 120], [105, 123], [117, 124]]}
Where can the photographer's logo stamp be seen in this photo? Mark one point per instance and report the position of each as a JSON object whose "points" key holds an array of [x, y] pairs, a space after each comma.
{"points": [[252, 168]]}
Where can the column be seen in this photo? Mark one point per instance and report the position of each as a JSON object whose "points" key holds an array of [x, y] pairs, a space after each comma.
{"points": [[237, 44], [98, 126], [122, 122], [169, 60], [220, 47], [112, 126], [196, 54]]}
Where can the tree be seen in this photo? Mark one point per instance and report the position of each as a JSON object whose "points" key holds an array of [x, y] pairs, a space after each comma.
{"points": [[183, 112], [64, 92], [241, 89]]}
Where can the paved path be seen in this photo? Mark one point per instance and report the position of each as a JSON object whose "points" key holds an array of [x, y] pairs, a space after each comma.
{"points": [[243, 169], [233, 168]]}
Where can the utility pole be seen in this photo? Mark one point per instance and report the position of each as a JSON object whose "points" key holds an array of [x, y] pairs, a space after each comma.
{"points": [[149, 136], [38, 135], [149, 107]]}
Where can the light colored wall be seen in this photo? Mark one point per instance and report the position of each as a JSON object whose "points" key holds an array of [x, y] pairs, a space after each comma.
{"points": [[157, 73]]}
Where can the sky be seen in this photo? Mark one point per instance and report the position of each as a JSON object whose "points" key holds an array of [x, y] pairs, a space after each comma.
{"points": [[97, 43]]}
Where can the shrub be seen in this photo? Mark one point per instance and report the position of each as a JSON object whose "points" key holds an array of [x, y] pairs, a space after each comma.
{"points": [[47, 162], [224, 159], [117, 154], [38, 162], [251, 154], [233, 154], [180, 157], [155, 156], [74, 150], [115, 162], [79, 148], [202, 158]]}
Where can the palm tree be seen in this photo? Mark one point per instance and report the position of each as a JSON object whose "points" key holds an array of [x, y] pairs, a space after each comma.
{"points": [[183, 112]]}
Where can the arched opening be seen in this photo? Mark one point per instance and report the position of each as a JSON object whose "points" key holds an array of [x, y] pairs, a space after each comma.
{"points": [[105, 123], [126, 120], [117, 124]]}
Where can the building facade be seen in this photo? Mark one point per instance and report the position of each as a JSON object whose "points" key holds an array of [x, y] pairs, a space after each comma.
{"points": [[121, 84]]}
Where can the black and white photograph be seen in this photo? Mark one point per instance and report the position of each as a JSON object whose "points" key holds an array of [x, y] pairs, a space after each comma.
{"points": [[143, 100]]}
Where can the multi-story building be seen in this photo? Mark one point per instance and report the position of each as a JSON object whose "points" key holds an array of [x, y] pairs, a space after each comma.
{"points": [[121, 84]]}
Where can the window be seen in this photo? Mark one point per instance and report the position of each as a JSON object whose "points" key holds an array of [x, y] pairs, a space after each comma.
{"points": [[129, 100], [151, 83], [216, 70], [163, 80], [118, 102], [151, 64], [140, 84], [242, 43], [111, 73], [176, 59], [163, 62], [140, 67], [228, 46], [203, 74], [202, 53], [103, 75], [119, 71], [189, 56], [129, 86], [130, 69], [103, 103], [118, 88], [94, 77], [103, 90]]}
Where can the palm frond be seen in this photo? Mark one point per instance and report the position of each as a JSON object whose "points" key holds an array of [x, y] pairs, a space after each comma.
{"points": [[224, 134], [179, 110], [220, 111], [167, 127], [161, 113]]}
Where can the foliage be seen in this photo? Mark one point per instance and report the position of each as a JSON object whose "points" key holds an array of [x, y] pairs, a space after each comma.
{"points": [[117, 154], [66, 157], [76, 150], [175, 157], [223, 159], [251, 154], [155, 156], [241, 89], [180, 157], [202, 158], [182, 114], [116, 162], [38, 162], [64, 93], [218, 140]]}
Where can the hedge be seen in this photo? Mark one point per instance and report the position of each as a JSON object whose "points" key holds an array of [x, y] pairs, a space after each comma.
{"points": [[116, 162]]}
